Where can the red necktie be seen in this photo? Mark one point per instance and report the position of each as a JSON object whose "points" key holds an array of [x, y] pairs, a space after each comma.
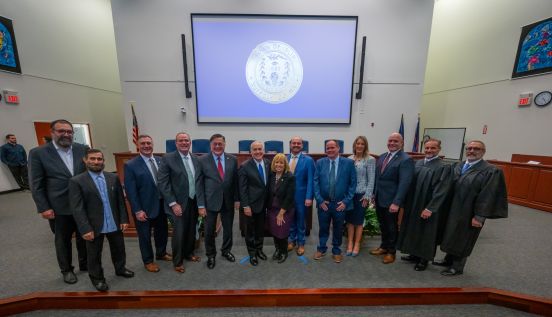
{"points": [[387, 159], [220, 169]]}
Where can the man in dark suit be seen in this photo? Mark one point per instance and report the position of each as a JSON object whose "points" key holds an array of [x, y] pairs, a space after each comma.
{"points": [[302, 167], [50, 168], [217, 193], [334, 188], [177, 177], [394, 172], [146, 203], [253, 180], [98, 205]]}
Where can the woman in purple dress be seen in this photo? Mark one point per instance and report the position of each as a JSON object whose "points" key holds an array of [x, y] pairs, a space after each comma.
{"points": [[281, 205]]}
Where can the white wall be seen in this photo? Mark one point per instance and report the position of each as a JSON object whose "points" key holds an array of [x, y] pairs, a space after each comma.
{"points": [[471, 55], [150, 61], [69, 65]]}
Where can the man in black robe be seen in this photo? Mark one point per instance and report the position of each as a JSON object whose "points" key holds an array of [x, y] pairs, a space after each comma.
{"points": [[422, 220], [479, 193]]}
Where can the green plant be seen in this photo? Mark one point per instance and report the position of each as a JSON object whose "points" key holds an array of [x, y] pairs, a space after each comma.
{"points": [[371, 224]]}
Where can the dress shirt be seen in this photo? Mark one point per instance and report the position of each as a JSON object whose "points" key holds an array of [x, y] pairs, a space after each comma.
{"points": [[66, 156], [215, 157], [148, 164], [108, 223]]}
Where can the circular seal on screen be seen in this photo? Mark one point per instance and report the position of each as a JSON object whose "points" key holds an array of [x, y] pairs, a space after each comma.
{"points": [[274, 72]]}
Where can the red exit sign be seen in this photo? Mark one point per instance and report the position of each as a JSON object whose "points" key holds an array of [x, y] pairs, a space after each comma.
{"points": [[11, 97], [525, 99]]}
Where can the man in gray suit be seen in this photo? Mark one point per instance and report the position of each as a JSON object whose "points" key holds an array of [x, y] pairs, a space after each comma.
{"points": [[50, 167], [217, 193], [176, 182], [98, 205]]}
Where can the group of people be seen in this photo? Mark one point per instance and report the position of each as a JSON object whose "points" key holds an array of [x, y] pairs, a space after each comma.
{"points": [[440, 204]]}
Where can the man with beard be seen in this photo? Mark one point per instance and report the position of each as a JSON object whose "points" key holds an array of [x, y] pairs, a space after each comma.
{"points": [[15, 157], [50, 167], [302, 167], [479, 193], [98, 205], [423, 214]]}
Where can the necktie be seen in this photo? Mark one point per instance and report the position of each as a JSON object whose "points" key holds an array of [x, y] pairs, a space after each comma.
{"points": [[465, 168], [332, 180], [387, 159], [261, 172], [153, 169], [191, 181], [293, 164], [220, 169], [109, 223]]}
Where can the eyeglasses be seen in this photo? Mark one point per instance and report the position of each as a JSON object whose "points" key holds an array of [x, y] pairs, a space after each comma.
{"points": [[62, 131], [473, 148]]}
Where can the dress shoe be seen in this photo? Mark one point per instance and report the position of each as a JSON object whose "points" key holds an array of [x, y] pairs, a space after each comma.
{"points": [[211, 263], [388, 258], [230, 257], [337, 258], [410, 258], [378, 251], [442, 263], [166, 257], [69, 277], [101, 286], [276, 256], [253, 260], [421, 265], [180, 269], [451, 272], [125, 273], [283, 257], [318, 255], [152, 267], [291, 245], [300, 250], [261, 255]]}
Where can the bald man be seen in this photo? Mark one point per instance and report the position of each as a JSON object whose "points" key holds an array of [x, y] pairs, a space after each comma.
{"points": [[394, 172]]}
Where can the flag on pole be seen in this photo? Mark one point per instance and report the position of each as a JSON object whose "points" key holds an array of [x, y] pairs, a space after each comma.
{"points": [[416, 144], [401, 128], [135, 132]]}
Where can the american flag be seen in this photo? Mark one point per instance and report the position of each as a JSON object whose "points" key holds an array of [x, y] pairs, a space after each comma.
{"points": [[134, 128], [416, 143]]}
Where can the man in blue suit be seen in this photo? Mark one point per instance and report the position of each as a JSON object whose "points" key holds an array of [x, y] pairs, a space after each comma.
{"points": [[302, 166], [334, 188], [146, 203], [394, 172]]}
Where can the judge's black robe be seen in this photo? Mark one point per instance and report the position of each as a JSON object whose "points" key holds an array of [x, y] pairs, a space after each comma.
{"points": [[429, 190], [480, 191]]}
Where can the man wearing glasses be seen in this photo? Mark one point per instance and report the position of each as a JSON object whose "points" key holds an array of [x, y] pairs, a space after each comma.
{"points": [[50, 167], [479, 193]]}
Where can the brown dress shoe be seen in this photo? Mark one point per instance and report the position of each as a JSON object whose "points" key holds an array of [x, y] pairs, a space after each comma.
{"points": [[166, 257], [152, 267], [388, 258], [337, 258], [378, 251], [180, 269], [300, 250], [291, 245], [318, 255]]}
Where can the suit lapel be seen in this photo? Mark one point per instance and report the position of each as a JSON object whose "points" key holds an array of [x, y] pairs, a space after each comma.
{"points": [[145, 168], [57, 159], [93, 186]]}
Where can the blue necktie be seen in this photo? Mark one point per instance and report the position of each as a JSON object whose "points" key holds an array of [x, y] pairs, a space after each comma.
{"points": [[332, 180], [109, 223], [465, 168], [261, 172]]}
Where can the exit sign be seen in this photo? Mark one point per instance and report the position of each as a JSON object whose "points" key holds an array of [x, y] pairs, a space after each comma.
{"points": [[525, 99], [11, 97]]}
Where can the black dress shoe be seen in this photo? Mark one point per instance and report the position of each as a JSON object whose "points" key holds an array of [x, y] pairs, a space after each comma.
{"points": [[101, 286], [442, 263], [421, 265], [69, 277], [410, 258], [211, 263], [253, 260], [276, 256], [125, 273], [261, 255], [283, 257], [451, 272], [229, 256]]}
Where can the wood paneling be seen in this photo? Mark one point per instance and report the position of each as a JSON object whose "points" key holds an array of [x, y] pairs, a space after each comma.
{"points": [[520, 181], [543, 187], [524, 158], [272, 298]]}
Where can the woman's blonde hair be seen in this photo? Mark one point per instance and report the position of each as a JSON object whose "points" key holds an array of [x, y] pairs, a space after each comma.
{"points": [[280, 157]]}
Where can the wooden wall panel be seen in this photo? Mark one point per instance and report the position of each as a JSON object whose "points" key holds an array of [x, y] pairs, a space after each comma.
{"points": [[520, 181], [543, 187]]}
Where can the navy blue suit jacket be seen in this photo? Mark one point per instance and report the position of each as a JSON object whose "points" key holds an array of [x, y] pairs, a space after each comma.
{"points": [[345, 185], [141, 190], [392, 185]]}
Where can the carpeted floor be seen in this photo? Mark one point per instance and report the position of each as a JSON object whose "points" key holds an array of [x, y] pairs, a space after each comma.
{"points": [[512, 254]]}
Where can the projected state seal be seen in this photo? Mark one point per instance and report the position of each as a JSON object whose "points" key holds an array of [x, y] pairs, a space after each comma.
{"points": [[274, 72]]}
